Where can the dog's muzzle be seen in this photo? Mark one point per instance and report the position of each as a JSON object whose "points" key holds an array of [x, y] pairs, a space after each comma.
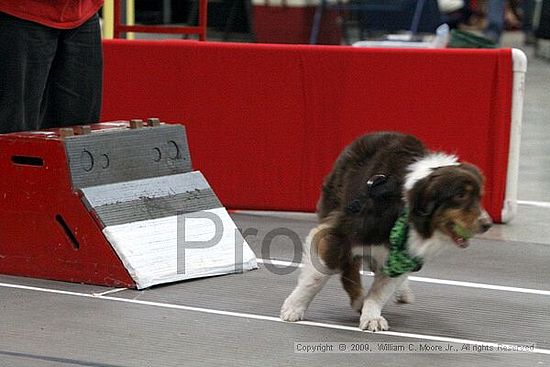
{"points": [[485, 221]]}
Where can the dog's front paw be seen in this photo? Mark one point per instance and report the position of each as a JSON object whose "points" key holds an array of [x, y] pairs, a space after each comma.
{"points": [[378, 323], [292, 312], [404, 296], [291, 315]]}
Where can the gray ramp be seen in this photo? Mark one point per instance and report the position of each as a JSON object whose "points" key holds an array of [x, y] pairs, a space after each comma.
{"points": [[137, 184], [150, 198], [169, 228]]}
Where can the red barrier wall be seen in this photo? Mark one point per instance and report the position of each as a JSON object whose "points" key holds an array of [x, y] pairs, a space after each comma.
{"points": [[266, 122]]}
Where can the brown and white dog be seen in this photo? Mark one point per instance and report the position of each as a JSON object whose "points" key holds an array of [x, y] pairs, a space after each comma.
{"points": [[374, 180]]}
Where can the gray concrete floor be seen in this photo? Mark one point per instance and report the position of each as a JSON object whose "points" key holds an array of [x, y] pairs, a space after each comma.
{"points": [[495, 291], [534, 183], [531, 223], [500, 294]]}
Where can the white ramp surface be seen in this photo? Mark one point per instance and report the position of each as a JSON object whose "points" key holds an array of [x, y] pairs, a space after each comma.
{"points": [[169, 228], [156, 251]]}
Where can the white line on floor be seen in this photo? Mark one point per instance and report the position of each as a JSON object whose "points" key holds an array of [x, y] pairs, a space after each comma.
{"points": [[110, 291], [258, 317], [540, 204], [457, 283]]}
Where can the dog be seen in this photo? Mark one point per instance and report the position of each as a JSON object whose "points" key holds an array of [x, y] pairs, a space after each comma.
{"points": [[393, 204]]}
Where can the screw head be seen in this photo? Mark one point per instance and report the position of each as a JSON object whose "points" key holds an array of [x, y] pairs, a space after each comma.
{"points": [[82, 130], [136, 124], [153, 121], [66, 131]]}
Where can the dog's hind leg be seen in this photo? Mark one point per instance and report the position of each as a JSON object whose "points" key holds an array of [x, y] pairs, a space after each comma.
{"points": [[315, 274], [351, 280]]}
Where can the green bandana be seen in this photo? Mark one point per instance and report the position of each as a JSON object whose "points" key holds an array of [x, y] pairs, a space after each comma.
{"points": [[399, 261]]}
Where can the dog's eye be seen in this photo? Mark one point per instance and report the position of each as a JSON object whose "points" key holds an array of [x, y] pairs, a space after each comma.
{"points": [[461, 196]]}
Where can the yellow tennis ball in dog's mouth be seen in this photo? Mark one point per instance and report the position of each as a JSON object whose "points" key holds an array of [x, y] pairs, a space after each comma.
{"points": [[462, 232]]}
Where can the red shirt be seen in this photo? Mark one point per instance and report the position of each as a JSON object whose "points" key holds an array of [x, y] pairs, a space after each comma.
{"points": [[64, 14]]}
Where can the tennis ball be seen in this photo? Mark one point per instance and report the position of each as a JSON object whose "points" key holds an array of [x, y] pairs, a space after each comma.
{"points": [[462, 232]]}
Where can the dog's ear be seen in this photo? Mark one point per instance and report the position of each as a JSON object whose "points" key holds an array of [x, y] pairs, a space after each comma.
{"points": [[422, 205], [476, 172], [382, 187]]}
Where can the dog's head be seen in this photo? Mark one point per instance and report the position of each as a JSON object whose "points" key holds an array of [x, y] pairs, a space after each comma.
{"points": [[448, 200]]}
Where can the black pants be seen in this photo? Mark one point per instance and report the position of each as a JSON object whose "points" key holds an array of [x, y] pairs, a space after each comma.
{"points": [[543, 30], [49, 77]]}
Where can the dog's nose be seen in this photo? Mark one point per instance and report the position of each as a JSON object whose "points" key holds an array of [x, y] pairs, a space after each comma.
{"points": [[485, 227], [485, 222]]}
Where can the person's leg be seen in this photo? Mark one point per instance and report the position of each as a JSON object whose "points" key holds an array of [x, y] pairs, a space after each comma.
{"points": [[75, 81], [495, 17], [528, 7], [27, 50]]}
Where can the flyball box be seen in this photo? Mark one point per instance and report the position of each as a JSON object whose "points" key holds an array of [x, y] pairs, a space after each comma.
{"points": [[114, 204]]}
